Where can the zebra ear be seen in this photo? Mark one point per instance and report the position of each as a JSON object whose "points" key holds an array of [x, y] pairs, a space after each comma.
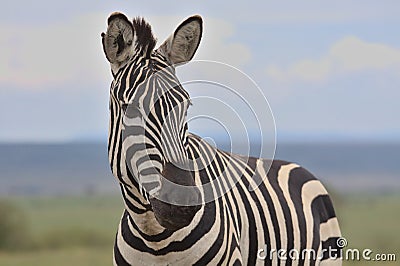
{"points": [[118, 40], [181, 46]]}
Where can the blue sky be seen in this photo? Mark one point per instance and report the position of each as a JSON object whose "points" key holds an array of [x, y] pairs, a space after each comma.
{"points": [[330, 70]]}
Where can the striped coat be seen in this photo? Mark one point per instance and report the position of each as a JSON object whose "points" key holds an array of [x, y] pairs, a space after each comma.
{"points": [[276, 222]]}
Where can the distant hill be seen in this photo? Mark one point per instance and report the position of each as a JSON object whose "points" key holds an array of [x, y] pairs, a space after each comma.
{"points": [[77, 168]]}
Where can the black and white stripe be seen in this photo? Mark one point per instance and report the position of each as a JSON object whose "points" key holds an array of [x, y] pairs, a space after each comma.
{"points": [[289, 210]]}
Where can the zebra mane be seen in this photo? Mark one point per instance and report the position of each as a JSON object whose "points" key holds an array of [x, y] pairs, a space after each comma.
{"points": [[145, 38]]}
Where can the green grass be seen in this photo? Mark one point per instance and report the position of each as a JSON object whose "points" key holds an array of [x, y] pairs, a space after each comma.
{"points": [[67, 231], [371, 222], [99, 214], [81, 230], [61, 257]]}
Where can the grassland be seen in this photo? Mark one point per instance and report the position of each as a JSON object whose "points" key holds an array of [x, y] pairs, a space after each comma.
{"points": [[371, 222], [67, 231], [80, 230]]}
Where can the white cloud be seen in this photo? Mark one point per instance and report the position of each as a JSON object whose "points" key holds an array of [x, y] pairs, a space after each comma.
{"points": [[45, 56], [311, 11], [346, 56], [38, 57], [215, 44]]}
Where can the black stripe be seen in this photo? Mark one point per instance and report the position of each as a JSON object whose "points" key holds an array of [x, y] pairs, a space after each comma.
{"points": [[114, 133], [227, 233], [322, 211], [235, 208], [122, 83], [135, 198], [273, 178], [118, 154], [153, 238], [129, 204], [201, 229], [130, 239], [137, 81], [323, 205], [119, 259], [253, 240], [237, 263], [111, 130], [224, 220], [331, 244], [233, 247], [213, 250], [297, 178]]}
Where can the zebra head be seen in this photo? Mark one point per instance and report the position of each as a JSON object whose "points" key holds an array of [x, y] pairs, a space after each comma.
{"points": [[148, 113]]}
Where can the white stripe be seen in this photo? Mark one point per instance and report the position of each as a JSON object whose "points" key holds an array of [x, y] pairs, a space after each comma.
{"points": [[133, 121], [310, 190], [283, 180], [329, 229], [278, 207], [236, 256]]}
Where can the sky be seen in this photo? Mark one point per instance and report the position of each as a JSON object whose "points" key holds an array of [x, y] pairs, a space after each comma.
{"points": [[329, 70]]}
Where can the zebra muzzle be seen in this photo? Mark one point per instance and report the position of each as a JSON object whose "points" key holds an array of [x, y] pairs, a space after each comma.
{"points": [[176, 206]]}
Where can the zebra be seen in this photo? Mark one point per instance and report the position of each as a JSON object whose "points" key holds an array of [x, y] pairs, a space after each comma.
{"points": [[289, 211]]}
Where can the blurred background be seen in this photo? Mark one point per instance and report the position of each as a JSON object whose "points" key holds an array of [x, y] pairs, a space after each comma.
{"points": [[330, 71]]}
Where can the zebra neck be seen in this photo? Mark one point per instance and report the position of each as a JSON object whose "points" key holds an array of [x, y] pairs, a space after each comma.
{"points": [[140, 213]]}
